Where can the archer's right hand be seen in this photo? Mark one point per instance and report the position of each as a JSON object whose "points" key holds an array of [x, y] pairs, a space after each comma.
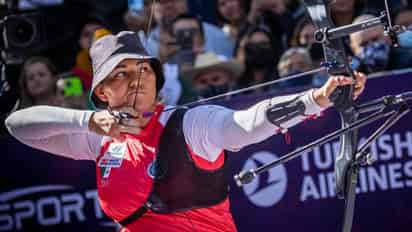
{"points": [[107, 124]]}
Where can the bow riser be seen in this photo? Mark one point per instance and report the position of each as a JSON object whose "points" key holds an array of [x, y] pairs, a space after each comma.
{"points": [[337, 63]]}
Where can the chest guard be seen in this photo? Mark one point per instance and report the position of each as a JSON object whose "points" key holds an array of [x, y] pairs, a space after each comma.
{"points": [[179, 184]]}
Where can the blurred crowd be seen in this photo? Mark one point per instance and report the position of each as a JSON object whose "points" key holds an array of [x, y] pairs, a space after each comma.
{"points": [[253, 42]]}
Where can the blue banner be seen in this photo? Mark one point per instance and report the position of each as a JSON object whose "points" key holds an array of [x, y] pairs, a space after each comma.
{"points": [[43, 192]]}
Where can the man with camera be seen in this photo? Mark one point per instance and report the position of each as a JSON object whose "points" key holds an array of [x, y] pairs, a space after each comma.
{"points": [[166, 11], [179, 46]]}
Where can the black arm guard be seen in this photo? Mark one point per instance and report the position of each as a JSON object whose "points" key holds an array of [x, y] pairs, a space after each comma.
{"points": [[285, 111]]}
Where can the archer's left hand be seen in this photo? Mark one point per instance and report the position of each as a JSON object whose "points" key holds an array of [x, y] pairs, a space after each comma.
{"points": [[322, 94]]}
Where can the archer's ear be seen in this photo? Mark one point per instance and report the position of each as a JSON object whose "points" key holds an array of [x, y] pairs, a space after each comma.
{"points": [[100, 94]]}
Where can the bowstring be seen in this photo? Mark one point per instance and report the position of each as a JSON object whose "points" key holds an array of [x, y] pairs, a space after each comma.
{"points": [[149, 23], [242, 90], [388, 14]]}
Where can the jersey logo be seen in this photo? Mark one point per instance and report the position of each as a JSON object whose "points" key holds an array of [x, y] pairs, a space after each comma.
{"points": [[151, 170], [155, 171]]}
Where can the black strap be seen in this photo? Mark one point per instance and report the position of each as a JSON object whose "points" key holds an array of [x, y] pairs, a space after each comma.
{"points": [[135, 215]]}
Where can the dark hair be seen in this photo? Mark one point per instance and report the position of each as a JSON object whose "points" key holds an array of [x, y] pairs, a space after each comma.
{"points": [[359, 8], [91, 18], [402, 10], [221, 19], [263, 28], [190, 17], [251, 29], [158, 70], [294, 42], [271, 72]]}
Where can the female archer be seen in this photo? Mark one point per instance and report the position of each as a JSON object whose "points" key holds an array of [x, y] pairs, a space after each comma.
{"points": [[158, 168]]}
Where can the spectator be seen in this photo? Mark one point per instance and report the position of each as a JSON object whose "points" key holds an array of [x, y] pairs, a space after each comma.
{"points": [[374, 52], [303, 36], [83, 66], [213, 75], [303, 33], [257, 7], [345, 11], [140, 20], [167, 10], [231, 14], [167, 46], [257, 53], [189, 33], [38, 83], [295, 61], [376, 7], [404, 19], [275, 15]]}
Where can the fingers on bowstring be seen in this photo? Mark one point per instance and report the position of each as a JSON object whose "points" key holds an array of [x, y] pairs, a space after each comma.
{"points": [[129, 122], [130, 110], [129, 125]]}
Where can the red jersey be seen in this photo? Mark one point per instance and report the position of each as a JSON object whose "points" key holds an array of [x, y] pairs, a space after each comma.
{"points": [[124, 187]]}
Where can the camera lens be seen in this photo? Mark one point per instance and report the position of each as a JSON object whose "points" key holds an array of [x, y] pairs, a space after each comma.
{"points": [[21, 31]]}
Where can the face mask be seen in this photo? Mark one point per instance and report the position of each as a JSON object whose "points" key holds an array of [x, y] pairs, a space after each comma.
{"points": [[259, 56], [375, 56], [213, 90], [405, 39]]}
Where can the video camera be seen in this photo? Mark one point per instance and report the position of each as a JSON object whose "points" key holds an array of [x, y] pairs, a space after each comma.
{"points": [[21, 35]]}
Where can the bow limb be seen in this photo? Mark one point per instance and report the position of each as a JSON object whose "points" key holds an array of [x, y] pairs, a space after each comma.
{"points": [[337, 63]]}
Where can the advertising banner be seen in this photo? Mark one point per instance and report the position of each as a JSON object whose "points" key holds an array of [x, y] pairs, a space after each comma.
{"points": [[44, 192]]}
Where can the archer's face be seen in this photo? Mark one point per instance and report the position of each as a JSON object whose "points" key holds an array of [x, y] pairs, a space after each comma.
{"points": [[122, 88]]}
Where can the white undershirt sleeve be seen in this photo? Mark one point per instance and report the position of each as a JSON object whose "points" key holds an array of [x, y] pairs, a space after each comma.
{"points": [[60, 131], [208, 129]]}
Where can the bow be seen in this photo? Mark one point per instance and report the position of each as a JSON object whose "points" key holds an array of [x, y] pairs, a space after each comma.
{"points": [[337, 63]]}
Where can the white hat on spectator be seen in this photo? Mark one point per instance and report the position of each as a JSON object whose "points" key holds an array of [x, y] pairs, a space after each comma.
{"points": [[208, 61]]}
